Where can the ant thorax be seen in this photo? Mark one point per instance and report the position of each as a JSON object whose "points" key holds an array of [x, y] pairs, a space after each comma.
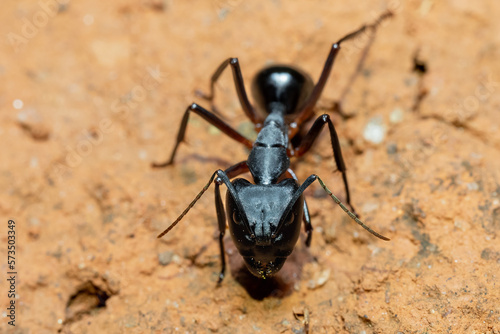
{"points": [[268, 159]]}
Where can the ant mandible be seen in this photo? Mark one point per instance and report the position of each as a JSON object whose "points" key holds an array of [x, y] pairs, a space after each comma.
{"points": [[265, 216]]}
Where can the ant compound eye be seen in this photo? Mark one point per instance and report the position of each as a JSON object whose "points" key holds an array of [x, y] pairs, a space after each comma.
{"points": [[290, 218], [237, 218]]}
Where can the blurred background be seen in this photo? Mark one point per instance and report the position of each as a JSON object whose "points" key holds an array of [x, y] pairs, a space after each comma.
{"points": [[92, 92]]}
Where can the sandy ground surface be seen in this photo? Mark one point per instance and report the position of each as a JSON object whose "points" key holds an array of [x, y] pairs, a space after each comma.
{"points": [[92, 92]]}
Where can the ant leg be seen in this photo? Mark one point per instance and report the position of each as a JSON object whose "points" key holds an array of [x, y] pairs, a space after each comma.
{"points": [[237, 169], [233, 171], [240, 88], [309, 139], [220, 177], [221, 219], [306, 109], [306, 217], [210, 118], [337, 105], [307, 224]]}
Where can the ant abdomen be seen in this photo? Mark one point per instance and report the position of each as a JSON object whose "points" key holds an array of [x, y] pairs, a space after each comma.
{"points": [[281, 84]]}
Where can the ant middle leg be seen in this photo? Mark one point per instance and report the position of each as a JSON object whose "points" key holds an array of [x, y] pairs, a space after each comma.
{"points": [[210, 118], [239, 85], [308, 141]]}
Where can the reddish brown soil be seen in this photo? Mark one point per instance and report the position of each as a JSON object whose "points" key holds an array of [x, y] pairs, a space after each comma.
{"points": [[103, 86]]}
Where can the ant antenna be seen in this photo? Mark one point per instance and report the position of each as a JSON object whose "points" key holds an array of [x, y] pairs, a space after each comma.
{"points": [[352, 215], [205, 188]]}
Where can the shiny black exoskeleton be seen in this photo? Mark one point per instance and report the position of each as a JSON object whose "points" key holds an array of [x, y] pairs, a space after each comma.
{"points": [[265, 216], [285, 85]]}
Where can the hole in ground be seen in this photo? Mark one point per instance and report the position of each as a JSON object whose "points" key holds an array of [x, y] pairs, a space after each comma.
{"points": [[87, 298]]}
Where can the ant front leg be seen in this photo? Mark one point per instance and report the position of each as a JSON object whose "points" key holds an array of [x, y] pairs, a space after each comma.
{"points": [[221, 219], [307, 224], [231, 172], [219, 177], [240, 88], [309, 139], [306, 216], [210, 118]]}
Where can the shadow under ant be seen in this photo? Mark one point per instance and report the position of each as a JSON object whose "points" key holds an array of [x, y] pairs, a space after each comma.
{"points": [[280, 285]]}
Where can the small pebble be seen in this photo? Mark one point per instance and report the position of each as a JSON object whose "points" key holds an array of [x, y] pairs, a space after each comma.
{"points": [[165, 258], [17, 104], [392, 148], [396, 116], [319, 280], [472, 186], [374, 131]]}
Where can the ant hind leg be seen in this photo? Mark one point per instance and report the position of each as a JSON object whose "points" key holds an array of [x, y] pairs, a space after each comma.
{"points": [[239, 85], [307, 109]]}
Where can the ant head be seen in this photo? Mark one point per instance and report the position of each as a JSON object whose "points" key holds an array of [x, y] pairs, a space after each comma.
{"points": [[264, 224]]}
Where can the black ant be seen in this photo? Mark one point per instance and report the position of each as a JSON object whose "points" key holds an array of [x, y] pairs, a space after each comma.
{"points": [[265, 216]]}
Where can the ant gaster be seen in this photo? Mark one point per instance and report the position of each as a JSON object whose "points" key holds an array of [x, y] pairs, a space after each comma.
{"points": [[265, 216]]}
